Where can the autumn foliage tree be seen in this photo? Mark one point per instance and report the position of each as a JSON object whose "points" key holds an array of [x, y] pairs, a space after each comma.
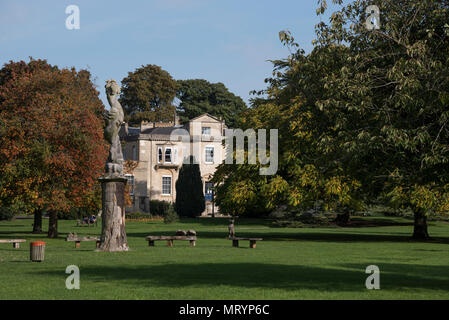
{"points": [[51, 139]]}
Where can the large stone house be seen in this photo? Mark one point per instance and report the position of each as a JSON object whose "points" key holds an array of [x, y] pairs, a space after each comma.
{"points": [[160, 148]]}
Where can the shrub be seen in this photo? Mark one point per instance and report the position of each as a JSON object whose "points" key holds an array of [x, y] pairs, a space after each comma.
{"points": [[6, 213], [159, 207], [171, 216], [190, 200]]}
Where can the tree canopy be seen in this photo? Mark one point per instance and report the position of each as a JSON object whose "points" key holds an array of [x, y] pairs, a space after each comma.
{"points": [[362, 117], [198, 96], [148, 94], [51, 138]]}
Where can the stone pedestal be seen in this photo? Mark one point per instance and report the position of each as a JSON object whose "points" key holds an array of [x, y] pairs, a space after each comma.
{"points": [[113, 232]]}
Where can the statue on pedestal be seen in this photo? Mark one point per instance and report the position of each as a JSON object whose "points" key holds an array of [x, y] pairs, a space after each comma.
{"points": [[113, 182]]}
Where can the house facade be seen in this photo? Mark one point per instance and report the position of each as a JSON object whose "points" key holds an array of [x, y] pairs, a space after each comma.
{"points": [[160, 149]]}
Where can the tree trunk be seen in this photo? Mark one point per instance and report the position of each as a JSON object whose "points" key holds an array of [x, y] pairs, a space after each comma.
{"points": [[113, 232], [53, 225], [37, 225], [420, 226]]}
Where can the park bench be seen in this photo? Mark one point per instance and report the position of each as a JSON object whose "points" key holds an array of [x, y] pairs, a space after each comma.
{"points": [[79, 240], [15, 242], [252, 241], [170, 239]]}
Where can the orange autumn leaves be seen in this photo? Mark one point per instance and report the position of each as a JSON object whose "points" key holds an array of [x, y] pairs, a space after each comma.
{"points": [[51, 136]]}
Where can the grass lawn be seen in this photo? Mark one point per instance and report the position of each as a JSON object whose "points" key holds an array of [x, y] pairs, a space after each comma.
{"points": [[302, 263]]}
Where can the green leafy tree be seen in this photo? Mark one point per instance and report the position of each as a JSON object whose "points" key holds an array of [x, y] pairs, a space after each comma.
{"points": [[148, 94], [190, 200], [362, 117], [198, 96], [309, 169], [391, 101]]}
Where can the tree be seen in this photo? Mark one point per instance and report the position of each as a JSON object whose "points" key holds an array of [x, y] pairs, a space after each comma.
{"points": [[128, 168], [362, 117], [148, 94], [392, 99], [199, 96], [190, 200], [51, 139], [308, 169]]}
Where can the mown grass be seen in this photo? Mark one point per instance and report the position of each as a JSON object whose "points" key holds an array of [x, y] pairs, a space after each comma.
{"points": [[302, 263]]}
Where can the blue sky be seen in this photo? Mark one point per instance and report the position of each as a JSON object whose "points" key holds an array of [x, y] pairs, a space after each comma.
{"points": [[226, 41]]}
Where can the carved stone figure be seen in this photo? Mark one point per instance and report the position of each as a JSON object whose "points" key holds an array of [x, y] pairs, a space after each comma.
{"points": [[114, 119], [113, 231]]}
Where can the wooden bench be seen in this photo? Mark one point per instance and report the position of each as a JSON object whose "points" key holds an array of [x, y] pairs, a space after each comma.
{"points": [[252, 241], [79, 240], [15, 242], [170, 239]]}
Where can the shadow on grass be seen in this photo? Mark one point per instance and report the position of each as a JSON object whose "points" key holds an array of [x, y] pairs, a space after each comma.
{"points": [[225, 221], [268, 276], [341, 236], [355, 222]]}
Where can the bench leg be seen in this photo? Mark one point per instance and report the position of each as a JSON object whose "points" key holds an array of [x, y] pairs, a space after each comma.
{"points": [[16, 245], [151, 243], [170, 243], [77, 244], [192, 243], [252, 244], [235, 243], [98, 243]]}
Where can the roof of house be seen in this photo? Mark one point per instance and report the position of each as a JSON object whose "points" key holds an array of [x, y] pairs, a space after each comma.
{"points": [[206, 114], [159, 133], [161, 130]]}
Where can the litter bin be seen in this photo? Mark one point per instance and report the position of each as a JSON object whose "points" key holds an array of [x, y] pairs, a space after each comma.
{"points": [[37, 251]]}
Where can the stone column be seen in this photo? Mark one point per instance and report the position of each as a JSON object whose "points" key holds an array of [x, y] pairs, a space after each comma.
{"points": [[113, 233]]}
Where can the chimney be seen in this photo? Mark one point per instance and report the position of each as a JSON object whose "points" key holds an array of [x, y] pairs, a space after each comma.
{"points": [[175, 119], [146, 125]]}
